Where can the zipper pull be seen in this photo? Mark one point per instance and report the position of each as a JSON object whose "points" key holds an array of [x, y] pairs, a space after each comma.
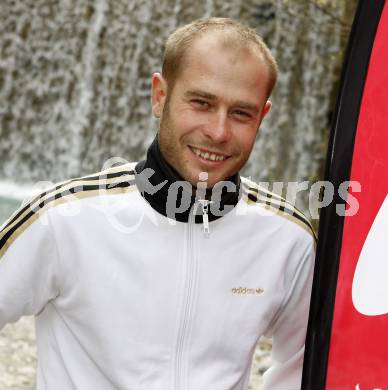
{"points": [[205, 217]]}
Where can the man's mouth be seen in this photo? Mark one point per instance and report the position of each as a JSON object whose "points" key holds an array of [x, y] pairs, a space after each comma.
{"points": [[208, 155]]}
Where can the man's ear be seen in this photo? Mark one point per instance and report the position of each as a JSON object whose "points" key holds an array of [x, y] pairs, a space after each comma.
{"points": [[266, 108], [158, 94]]}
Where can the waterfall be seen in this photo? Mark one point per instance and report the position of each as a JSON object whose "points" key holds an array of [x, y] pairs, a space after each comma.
{"points": [[75, 82]]}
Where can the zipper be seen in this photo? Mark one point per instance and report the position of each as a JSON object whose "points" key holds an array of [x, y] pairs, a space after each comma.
{"points": [[205, 216], [191, 262], [191, 276]]}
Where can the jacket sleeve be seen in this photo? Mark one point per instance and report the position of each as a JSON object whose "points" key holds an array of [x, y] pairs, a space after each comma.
{"points": [[289, 330], [28, 265]]}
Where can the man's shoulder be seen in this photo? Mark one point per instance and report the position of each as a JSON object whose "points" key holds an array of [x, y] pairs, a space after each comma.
{"points": [[113, 180], [256, 194]]}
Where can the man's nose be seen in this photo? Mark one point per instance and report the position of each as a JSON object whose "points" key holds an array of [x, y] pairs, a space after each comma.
{"points": [[218, 127]]}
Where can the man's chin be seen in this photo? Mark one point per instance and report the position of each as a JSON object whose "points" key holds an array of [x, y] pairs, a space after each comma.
{"points": [[214, 181], [210, 178]]}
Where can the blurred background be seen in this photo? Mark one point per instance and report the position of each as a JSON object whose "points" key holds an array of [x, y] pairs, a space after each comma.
{"points": [[75, 91]]}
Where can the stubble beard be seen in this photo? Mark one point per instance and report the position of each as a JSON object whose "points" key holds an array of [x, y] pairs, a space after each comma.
{"points": [[169, 145], [170, 149]]}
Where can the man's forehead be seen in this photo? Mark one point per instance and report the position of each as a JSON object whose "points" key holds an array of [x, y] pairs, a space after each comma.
{"points": [[209, 63], [215, 41]]}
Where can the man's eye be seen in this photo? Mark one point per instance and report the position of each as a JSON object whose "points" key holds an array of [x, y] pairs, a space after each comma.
{"points": [[200, 103], [242, 114]]}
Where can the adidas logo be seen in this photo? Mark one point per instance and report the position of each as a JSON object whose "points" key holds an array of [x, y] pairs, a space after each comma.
{"points": [[247, 290]]}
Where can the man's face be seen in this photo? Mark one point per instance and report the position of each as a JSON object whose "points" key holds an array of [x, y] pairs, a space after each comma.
{"points": [[209, 121]]}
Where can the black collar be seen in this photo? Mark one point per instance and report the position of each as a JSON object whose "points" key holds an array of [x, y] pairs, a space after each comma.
{"points": [[172, 197]]}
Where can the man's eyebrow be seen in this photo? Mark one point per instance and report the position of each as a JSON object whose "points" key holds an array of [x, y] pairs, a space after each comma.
{"points": [[199, 93]]}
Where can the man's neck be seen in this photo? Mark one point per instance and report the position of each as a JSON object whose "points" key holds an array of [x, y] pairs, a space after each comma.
{"points": [[158, 182]]}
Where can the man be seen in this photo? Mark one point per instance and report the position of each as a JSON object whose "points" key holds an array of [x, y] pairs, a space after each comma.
{"points": [[171, 268]]}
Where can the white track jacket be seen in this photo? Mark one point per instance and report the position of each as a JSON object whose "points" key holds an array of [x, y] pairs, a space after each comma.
{"points": [[127, 298]]}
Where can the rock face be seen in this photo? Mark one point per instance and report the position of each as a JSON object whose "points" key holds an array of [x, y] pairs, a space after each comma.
{"points": [[75, 80], [18, 357]]}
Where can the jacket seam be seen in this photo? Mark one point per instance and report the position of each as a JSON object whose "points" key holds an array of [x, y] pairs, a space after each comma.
{"points": [[273, 323]]}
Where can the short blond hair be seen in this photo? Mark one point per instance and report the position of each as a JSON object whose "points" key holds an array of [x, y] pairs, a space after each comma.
{"points": [[181, 40]]}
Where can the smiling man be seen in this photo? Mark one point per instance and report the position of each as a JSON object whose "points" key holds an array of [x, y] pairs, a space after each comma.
{"points": [[172, 267], [212, 105]]}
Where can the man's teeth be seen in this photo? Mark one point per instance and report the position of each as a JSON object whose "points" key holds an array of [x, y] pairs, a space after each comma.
{"points": [[208, 156]]}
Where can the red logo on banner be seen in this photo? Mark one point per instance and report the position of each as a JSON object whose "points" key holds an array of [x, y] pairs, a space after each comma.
{"points": [[370, 287]]}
